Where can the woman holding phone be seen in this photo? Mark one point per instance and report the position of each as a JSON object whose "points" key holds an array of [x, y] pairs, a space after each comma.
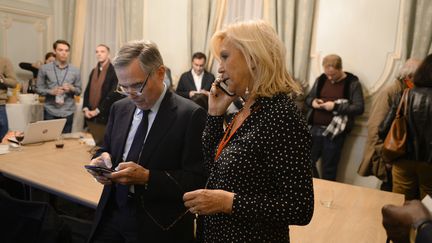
{"points": [[260, 178]]}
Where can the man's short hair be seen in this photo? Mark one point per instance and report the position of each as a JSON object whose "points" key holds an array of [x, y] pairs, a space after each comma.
{"points": [[332, 60], [60, 42], [146, 51], [108, 49], [199, 55]]}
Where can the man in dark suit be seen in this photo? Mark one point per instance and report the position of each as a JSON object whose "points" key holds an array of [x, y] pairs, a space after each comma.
{"points": [[100, 93], [153, 141], [197, 80]]}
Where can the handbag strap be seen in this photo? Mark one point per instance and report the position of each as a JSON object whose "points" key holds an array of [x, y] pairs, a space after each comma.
{"points": [[403, 102]]}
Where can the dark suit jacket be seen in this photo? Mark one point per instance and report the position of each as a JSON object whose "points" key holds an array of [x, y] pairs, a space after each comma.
{"points": [[108, 95], [187, 84], [173, 154]]}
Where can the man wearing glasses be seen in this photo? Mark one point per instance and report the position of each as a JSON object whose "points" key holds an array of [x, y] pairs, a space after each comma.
{"points": [[153, 143]]}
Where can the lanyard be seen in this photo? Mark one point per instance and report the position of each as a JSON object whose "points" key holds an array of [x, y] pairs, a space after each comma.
{"points": [[229, 134], [64, 77]]}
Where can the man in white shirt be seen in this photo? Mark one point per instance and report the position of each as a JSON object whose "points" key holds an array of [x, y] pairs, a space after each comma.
{"points": [[197, 80]]}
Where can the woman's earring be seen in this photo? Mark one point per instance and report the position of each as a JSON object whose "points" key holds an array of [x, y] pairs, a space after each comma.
{"points": [[247, 91]]}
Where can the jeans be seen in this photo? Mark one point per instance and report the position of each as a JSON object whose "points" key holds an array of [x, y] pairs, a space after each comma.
{"points": [[4, 126], [69, 120], [329, 150]]}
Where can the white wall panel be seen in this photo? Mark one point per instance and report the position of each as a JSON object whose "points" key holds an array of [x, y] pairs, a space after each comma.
{"points": [[24, 35]]}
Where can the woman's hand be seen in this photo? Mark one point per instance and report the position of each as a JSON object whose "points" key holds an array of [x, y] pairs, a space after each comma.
{"points": [[218, 101], [207, 202]]}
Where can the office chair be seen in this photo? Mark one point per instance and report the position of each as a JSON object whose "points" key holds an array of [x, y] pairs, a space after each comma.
{"points": [[27, 221]]}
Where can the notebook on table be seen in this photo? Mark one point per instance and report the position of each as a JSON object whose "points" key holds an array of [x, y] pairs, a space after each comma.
{"points": [[42, 131]]}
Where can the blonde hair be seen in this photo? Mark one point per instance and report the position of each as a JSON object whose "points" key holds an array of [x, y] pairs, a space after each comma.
{"points": [[265, 56]]}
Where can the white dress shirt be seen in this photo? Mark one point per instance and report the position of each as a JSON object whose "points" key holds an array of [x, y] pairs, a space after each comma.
{"points": [[135, 123], [197, 79]]}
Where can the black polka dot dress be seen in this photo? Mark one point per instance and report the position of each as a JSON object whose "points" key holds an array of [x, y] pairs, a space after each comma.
{"points": [[267, 165]]}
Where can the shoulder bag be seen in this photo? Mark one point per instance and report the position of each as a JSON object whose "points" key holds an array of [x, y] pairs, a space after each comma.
{"points": [[395, 142]]}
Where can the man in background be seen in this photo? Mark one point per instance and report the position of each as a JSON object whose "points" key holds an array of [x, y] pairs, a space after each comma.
{"points": [[197, 80], [59, 82], [100, 93], [334, 100], [7, 80]]}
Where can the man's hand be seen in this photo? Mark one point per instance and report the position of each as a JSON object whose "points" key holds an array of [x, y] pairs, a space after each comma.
{"points": [[90, 114], [328, 106], [104, 160], [203, 91], [316, 103], [67, 87], [129, 173], [192, 93], [87, 114], [397, 221], [56, 91], [208, 202]]}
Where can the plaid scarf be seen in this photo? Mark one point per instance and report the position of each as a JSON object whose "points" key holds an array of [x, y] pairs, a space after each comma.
{"points": [[337, 124]]}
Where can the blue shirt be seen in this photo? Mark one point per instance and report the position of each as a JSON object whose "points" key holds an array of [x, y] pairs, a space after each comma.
{"points": [[50, 76]]}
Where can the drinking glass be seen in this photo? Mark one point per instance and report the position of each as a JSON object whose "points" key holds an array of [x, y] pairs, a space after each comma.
{"points": [[19, 136], [59, 142], [326, 197]]}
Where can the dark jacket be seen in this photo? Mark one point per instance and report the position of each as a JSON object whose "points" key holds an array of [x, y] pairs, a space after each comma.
{"points": [[352, 92], [172, 154], [187, 84], [424, 235], [419, 114], [108, 95]]}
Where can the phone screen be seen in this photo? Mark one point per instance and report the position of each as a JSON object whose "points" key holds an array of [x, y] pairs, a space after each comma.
{"points": [[98, 169]]}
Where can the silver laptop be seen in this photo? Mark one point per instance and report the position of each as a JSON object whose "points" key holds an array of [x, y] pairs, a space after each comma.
{"points": [[42, 131]]}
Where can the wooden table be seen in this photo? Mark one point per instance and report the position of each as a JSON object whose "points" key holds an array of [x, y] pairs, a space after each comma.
{"points": [[355, 215], [58, 171]]}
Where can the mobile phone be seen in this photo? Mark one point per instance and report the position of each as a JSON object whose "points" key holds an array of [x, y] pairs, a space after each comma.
{"points": [[224, 87], [99, 169]]}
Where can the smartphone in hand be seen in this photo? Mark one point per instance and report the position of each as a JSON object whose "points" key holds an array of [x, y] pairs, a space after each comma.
{"points": [[224, 87], [99, 169]]}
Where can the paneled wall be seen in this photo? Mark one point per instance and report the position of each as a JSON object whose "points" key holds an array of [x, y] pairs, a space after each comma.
{"points": [[27, 29]]}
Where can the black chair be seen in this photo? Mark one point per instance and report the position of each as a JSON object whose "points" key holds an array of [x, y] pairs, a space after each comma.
{"points": [[27, 221]]}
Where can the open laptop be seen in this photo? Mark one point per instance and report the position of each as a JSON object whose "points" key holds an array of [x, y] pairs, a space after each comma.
{"points": [[42, 131]]}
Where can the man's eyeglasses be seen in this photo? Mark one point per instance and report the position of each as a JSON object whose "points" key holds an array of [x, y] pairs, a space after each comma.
{"points": [[135, 89]]}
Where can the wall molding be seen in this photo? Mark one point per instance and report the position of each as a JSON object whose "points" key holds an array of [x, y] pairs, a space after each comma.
{"points": [[392, 61]]}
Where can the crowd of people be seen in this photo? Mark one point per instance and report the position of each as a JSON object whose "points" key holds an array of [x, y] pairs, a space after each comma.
{"points": [[181, 170]]}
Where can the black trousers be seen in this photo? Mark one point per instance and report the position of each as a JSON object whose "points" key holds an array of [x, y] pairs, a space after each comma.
{"points": [[118, 224]]}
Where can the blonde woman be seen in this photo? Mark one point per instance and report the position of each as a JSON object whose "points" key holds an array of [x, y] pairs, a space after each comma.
{"points": [[260, 174]]}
